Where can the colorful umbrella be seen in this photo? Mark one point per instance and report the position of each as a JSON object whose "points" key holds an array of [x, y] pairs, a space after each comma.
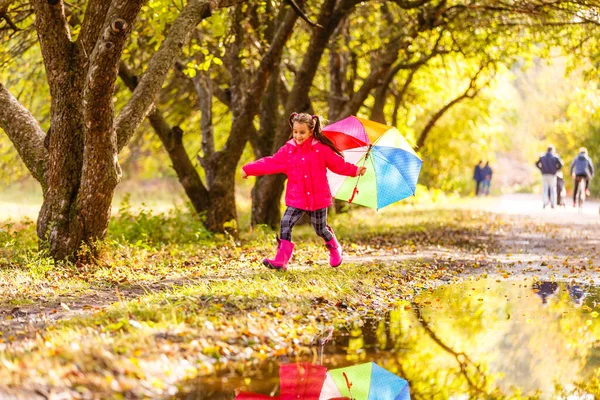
{"points": [[296, 381], [366, 381], [392, 165]]}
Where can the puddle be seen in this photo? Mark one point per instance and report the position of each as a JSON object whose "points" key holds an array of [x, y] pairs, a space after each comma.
{"points": [[479, 339]]}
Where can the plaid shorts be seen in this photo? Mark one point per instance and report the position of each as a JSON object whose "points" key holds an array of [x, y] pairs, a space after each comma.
{"points": [[318, 220]]}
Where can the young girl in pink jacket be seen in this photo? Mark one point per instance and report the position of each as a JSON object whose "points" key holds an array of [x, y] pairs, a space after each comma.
{"points": [[305, 160]]}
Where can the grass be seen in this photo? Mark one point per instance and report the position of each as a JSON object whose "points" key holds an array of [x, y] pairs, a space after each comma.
{"points": [[221, 323], [170, 301]]}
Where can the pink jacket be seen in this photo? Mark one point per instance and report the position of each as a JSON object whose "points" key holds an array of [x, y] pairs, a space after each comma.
{"points": [[306, 168]]}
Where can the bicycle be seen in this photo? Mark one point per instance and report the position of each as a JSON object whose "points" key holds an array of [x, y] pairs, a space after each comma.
{"points": [[580, 193]]}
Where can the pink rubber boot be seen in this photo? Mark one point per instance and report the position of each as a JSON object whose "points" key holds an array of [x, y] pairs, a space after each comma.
{"points": [[284, 253], [335, 252]]}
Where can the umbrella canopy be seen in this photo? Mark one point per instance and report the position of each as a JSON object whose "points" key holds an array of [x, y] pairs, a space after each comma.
{"points": [[296, 381], [366, 381], [392, 165]]}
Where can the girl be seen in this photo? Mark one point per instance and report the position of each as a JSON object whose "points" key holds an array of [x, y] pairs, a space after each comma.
{"points": [[304, 159]]}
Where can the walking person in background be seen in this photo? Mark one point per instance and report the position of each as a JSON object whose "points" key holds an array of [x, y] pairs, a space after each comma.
{"points": [[477, 176], [545, 289], [550, 163], [486, 175], [582, 167], [561, 192], [577, 293]]}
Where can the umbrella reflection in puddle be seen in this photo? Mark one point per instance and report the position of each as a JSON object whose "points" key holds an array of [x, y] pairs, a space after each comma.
{"points": [[305, 381]]}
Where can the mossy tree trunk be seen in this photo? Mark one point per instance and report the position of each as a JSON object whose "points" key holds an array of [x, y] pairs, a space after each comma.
{"points": [[76, 162]]}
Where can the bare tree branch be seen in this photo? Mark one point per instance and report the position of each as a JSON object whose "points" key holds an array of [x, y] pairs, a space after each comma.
{"points": [[93, 21], [171, 138], [224, 95], [398, 97], [4, 15], [381, 91], [55, 41], [302, 15], [462, 359], [407, 4], [257, 86], [161, 62], [24, 132], [470, 93], [4, 4]]}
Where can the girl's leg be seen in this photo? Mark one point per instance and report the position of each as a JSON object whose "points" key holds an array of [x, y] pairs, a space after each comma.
{"points": [[290, 218], [285, 247], [587, 185], [318, 220]]}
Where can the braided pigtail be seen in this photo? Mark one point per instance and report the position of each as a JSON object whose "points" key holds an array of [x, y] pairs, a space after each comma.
{"points": [[318, 133], [292, 118]]}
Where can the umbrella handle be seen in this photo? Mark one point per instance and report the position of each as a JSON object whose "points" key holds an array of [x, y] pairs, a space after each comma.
{"points": [[353, 193]]}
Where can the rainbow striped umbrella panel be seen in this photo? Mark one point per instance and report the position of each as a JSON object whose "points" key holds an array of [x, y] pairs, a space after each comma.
{"points": [[392, 165]]}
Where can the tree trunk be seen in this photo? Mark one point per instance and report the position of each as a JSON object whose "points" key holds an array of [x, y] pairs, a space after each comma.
{"points": [[172, 140], [204, 92], [245, 92], [377, 113], [399, 97], [82, 143], [266, 207], [338, 68], [59, 226], [271, 186], [76, 162], [221, 204], [267, 211]]}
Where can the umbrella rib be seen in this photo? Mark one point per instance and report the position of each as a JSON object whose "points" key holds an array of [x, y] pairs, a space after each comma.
{"points": [[376, 186], [393, 165], [355, 191]]}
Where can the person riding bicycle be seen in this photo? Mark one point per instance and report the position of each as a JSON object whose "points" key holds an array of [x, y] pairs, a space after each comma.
{"points": [[582, 168]]}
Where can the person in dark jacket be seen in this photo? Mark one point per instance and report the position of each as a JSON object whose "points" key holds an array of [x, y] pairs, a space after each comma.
{"points": [[545, 289], [477, 176], [582, 167], [577, 293], [550, 163], [486, 175]]}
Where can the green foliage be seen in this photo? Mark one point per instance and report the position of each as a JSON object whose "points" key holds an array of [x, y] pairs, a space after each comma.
{"points": [[140, 308], [22, 72], [145, 229], [483, 127], [18, 242]]}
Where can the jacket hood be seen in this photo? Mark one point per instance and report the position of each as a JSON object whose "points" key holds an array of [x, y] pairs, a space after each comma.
{"points": [[312, 142]]}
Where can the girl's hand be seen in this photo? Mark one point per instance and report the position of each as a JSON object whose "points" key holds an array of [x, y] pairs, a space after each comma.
{"points": [[362, 170], [244, 174]]}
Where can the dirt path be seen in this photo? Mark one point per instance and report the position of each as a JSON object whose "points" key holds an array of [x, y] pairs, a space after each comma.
{"points": [[525, 241], [561, 243]]}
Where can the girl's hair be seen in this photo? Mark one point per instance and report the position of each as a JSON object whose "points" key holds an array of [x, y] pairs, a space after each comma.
{"points": [[314, 124]]}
